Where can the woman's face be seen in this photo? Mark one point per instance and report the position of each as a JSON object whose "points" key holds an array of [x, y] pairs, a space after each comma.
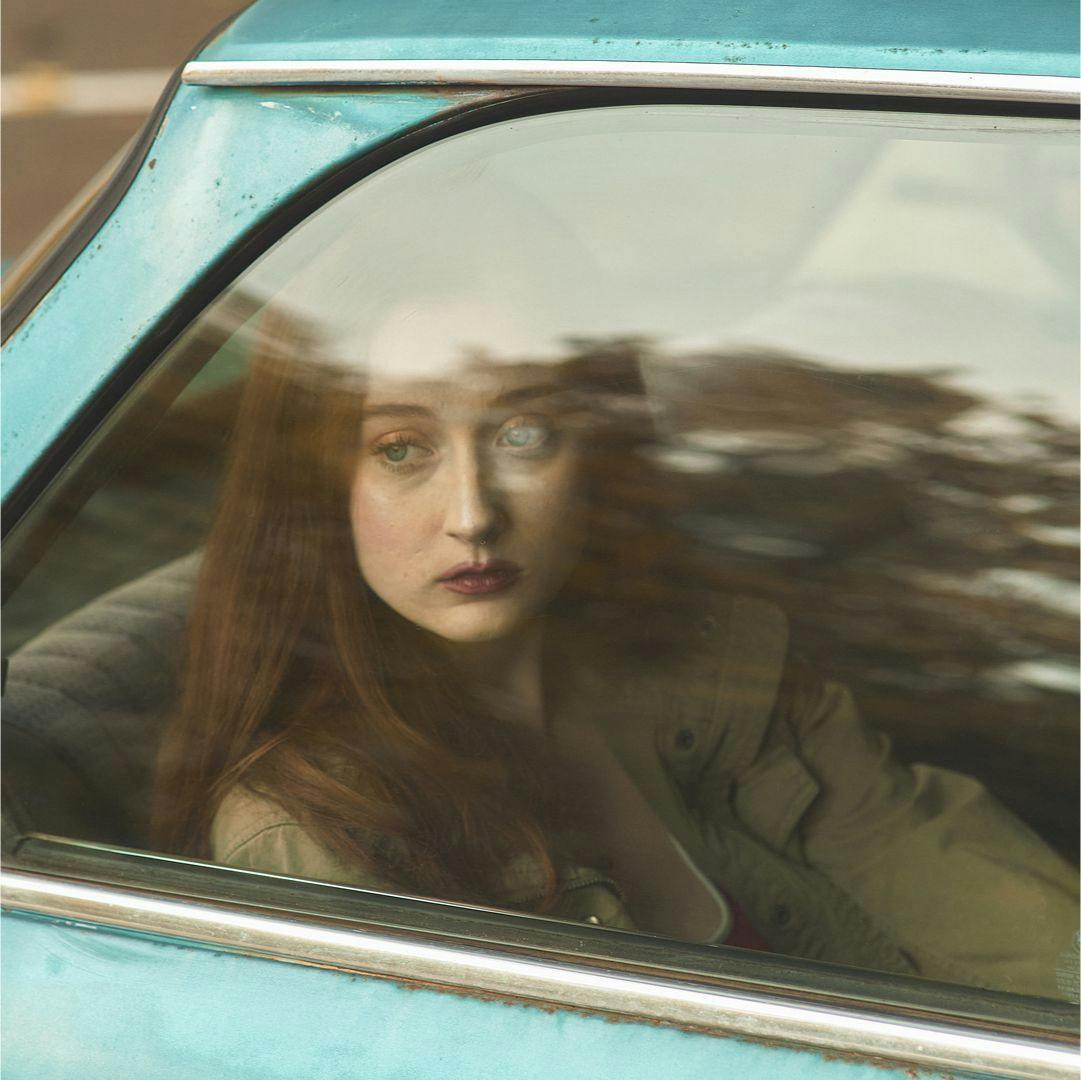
{"points": [[466, 506]]}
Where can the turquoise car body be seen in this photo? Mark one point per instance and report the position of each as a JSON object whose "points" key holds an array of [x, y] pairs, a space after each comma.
{"points": [[87, 999]]}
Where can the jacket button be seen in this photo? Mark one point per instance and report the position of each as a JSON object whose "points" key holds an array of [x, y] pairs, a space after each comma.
{"points": [[685, 739], [781, 915]]}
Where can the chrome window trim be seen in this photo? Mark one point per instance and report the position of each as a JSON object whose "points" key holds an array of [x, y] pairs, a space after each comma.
{"points": [[486, 970], [788, 976], [971, 86]]}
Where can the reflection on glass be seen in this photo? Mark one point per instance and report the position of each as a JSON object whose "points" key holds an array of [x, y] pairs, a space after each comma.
{"points": [[459, 632]]}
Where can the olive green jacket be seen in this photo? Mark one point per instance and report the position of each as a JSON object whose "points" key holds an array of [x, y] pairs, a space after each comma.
{"points": [[768, 780]]}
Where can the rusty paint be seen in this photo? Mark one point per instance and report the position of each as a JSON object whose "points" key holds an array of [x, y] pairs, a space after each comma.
{"points": [[554, 1008], [324, 1019]]}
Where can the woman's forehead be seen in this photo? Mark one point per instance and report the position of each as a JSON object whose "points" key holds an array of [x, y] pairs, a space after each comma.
{"points": [[474, 388]]}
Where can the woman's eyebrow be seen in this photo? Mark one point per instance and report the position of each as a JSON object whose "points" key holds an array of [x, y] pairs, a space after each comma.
{"points": [[396, 408]]}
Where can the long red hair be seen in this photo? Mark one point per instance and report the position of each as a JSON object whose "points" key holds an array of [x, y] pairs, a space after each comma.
{"points": [[295, 681]]}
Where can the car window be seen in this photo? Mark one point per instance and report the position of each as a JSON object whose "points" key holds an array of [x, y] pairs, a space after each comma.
{"points": [[662, 518]]}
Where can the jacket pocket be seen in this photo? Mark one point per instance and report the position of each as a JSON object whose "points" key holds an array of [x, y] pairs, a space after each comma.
{"points": [[771, 797]]}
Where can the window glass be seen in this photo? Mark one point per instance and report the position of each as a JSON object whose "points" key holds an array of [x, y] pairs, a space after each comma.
{"points": [[658, 517]]}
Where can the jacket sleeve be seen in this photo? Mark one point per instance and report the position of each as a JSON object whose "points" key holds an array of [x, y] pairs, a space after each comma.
{"points": [[971, 893], [253, 832]]}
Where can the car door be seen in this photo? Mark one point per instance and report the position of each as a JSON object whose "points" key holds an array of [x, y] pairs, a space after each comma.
{"points": [[854, 324]]}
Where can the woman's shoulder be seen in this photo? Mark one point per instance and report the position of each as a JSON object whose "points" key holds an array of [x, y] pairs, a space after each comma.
{"points": [[252, 831], [242, 818]]}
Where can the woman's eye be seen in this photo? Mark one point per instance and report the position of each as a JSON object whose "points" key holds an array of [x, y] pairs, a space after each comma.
{"points": [[399, 452], [524, 435], [396, 452]]}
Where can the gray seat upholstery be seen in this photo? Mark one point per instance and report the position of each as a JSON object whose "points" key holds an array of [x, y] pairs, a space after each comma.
{"points": [[84, 708]]}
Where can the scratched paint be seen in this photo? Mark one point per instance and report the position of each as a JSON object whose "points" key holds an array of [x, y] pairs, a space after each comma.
{"points": [[100, 1005], [223, 161], [1038, 37]]}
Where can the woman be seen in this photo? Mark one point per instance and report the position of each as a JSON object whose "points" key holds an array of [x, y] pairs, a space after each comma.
{"points": [[425, 657]]}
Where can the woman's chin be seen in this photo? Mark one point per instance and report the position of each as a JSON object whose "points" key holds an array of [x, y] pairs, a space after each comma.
{"points": [[478, 622]]}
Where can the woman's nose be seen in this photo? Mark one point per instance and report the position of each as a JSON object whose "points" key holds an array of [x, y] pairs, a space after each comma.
{"points": [[475, 514]]}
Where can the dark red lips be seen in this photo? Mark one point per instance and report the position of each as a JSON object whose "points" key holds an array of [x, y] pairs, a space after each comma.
{"points": [[480, 579]]}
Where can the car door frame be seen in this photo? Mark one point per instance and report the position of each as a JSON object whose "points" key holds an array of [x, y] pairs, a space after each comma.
{"points": [[860, 1016]]}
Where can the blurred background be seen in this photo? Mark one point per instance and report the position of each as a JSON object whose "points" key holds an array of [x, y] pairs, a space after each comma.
{"points": [[79, 80]]}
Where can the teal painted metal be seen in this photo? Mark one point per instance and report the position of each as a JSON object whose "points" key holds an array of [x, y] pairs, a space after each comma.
{"points": [[93, 1003], [99, 1005], [223, 161], [1038, 37]]}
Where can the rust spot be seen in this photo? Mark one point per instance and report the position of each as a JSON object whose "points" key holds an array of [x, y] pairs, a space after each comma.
{"points": [[152, 162], [551, 1007]]}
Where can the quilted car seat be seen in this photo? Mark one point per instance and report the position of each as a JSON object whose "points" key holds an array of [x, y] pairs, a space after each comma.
{"points": [[84, 707]]}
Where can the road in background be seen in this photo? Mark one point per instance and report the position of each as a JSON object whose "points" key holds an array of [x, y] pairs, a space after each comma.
{"points": [[79, 79]]}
